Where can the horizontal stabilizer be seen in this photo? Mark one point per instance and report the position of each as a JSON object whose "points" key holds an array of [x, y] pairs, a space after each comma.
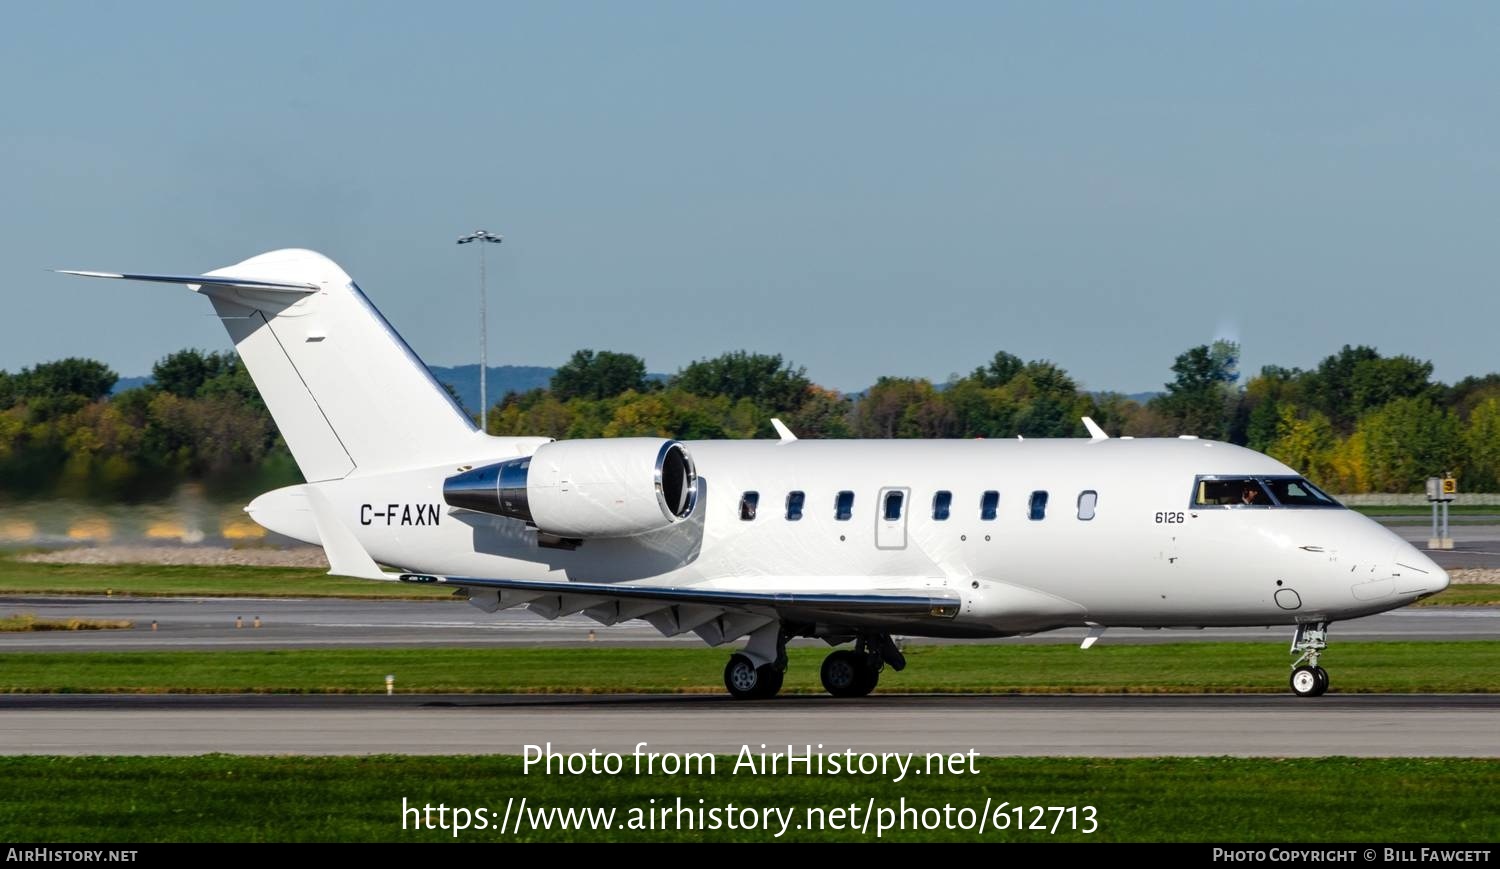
{"points": [[861, 606], [201, 280]]}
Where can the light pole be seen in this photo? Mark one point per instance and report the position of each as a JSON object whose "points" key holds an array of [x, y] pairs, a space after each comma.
{"points": [[483, 238]]}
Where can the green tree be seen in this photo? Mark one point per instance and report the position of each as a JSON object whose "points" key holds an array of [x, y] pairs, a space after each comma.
{"points": [[1356, 380], [1265, 396], [232, 382], [1305, 444], [183, 373], [999, 371], [824, 414], [1409, 440], [73, 377], [898, 407], [1465, 396], [599, 375], [1199, 398], [1482, 448], [764, 379]]}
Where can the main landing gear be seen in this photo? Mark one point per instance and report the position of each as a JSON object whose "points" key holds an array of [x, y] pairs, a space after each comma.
{"points": [[1309, 679], [855, 672], [846, 672], [746, 681]]}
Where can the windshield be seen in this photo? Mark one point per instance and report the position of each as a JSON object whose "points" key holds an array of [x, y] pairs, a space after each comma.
{"points": [[1226, 491]]}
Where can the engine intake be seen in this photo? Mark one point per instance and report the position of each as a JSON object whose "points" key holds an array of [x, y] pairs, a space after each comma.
{"points": [[615, 487]]}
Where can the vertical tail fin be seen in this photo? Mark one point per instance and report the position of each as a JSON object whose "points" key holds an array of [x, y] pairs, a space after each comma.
{"points": [[346, 392]]}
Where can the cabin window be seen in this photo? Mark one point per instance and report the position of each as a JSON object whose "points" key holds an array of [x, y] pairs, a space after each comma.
{"points": [[942, 504], [794, 505], [843, 506], [1037, 510], [1087, 501], [748, 502], [893, 502], [989, 505]]}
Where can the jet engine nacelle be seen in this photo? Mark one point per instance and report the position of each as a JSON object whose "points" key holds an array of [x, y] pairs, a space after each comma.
{"points": [[615, 487]]}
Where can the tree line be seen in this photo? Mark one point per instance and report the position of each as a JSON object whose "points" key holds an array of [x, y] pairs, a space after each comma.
{"points": [[1357, 422]]}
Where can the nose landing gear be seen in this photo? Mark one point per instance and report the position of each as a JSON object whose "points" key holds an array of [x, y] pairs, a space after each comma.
{"points": [[1309, 679]]}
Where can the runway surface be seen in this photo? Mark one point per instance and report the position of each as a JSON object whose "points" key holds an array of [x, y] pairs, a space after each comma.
{"points": [[209, 623], [1114, 725], [1474, 545]]}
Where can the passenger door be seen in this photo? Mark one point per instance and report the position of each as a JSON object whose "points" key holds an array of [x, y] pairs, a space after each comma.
{"points": [[890, 517]]}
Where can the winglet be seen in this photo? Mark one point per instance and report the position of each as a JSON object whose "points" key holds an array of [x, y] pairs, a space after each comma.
{"points": [[1095, 432], [781, 429], [345, 556]]}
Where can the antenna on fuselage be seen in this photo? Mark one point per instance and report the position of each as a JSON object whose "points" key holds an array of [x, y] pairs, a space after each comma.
{"points": [[781, 430], [1095, 432]]}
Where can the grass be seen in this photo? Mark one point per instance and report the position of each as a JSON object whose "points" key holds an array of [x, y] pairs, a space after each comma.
{"points": [[22, 577], [1174, 668], [1468, 594], [23, 622], [1425, 510], [301, 799]]}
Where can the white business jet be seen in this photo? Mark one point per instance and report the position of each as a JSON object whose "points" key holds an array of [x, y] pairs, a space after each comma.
{"points": [[848, 541]]}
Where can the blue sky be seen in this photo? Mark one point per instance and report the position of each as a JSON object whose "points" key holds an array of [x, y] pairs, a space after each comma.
{"points": [[866, 188]]}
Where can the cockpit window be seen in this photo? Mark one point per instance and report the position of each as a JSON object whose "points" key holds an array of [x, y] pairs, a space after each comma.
{"points": [[1231, 492], [1258, 492], [1297, 492]]}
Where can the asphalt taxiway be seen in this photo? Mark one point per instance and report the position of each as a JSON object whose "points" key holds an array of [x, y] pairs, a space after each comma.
{"points": [[210, 623], [1019, 725]]}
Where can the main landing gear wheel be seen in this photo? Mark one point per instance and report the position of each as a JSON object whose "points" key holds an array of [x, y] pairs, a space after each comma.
{"points": [[746, 681], [1309, 679], [850, 674]]}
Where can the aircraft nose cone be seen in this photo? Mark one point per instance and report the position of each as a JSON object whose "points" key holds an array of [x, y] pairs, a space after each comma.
{"points": [[1412, 562]]}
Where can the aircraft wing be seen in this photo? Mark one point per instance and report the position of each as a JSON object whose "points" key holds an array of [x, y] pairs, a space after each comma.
{"points": [[717, 615]]}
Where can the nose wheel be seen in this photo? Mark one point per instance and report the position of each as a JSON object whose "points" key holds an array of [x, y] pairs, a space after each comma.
{"points": [[1309, 679]]}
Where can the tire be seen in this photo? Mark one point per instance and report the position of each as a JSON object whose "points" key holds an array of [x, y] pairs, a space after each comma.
{"points": [[1305, 682], [771, 679], [742, 678], [848, 674], [746, 681], [1322, 681]]}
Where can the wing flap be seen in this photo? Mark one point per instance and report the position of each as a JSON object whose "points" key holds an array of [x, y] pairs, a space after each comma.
{"points": [[937, 604]]}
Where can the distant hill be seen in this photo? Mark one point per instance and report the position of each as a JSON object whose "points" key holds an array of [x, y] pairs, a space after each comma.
{"points": [[502, 379], [125, 383]]}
